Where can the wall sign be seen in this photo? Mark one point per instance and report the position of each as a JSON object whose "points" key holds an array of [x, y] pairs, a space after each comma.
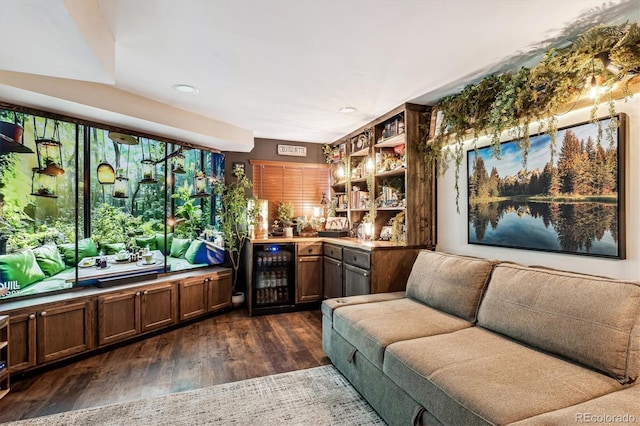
{"points": [[292, 150]]}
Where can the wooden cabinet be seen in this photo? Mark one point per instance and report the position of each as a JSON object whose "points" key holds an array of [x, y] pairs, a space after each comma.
{"points": [[4, 356], [22, 348], [355, 272], [201, 295], [219, 295], [125, 314], [64, 330], [158, 306], [56, 327], [332, 271], [51, 332], [356, 280], [350, 271], [309, 275], [118, 316]]}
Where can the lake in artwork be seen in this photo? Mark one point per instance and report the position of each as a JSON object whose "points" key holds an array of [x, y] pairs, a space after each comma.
{"points": [[568, 203]]}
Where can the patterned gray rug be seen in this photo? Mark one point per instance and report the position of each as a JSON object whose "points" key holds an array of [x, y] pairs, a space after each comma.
{"points": [[317, 396]]}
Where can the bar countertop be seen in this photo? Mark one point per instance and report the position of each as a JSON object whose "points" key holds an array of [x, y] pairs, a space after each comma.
{"points": [[345, 241]]}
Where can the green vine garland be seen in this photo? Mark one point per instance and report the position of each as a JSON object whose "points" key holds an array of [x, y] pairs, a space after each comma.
{"points": [[511, 102]]}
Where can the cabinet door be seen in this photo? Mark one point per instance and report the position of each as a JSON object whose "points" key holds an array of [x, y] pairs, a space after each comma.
{"points": [[332, 278], [159, 306], [356, 281], [118, 317], [309, 279], [219, 291], [64, 330], [193, 297], [22, 341]]}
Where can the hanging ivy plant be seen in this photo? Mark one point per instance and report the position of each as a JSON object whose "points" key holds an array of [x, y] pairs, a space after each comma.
{"points": [[603, 55]]}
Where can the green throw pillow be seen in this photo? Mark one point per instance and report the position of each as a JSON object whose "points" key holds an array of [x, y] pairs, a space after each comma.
{"points": [[86, 248], [193, 251], [21, 267], [112, 248], [199, 252], [160, 242], [49, 259], [144, 242], [179, 247]]}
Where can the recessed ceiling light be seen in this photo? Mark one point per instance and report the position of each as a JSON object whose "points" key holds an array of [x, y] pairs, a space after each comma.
{"points": [[185, 88], [347, 109]]}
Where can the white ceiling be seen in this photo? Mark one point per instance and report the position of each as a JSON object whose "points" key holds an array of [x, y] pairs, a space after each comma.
{"points": [[269, 68]]}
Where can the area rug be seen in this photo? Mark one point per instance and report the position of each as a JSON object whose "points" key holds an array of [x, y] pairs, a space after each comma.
{"points": [[316, 396]]}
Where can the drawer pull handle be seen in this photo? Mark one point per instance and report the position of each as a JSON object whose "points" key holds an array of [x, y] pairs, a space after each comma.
{"points": [[137, 294], [310, 250], [146, 292], [355, 258], [43, 313], [32, 316]]}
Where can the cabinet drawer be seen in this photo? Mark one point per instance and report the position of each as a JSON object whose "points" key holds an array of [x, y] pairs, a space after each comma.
{"points": [[309, 249], [333, 251], [356, 257]]}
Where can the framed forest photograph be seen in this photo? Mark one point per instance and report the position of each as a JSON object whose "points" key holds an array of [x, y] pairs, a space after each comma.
{"points": [[567, 198]]}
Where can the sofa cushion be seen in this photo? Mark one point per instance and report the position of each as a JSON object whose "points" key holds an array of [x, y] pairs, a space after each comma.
{"points": [[474, 376], [585, 318], [450, 283], [621, 407], [86, 248], [330, 305], [49, 259], [371, 327], [179, 247], [149, 241], [200, 252], [160, 242], [21, 267], [112, 248]]}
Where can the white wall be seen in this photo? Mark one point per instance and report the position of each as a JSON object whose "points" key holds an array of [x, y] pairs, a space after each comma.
{"points": [[452, 227]]}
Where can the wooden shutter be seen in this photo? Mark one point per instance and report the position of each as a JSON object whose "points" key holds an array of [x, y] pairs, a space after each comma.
{"points": [[281, 182]]}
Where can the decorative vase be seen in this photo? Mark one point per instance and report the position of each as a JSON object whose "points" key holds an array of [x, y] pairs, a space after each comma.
{"points": [[288, 231], [237, 299]]}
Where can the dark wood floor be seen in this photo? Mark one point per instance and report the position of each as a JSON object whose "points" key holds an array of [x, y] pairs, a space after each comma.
{"points": [[220, 349]]}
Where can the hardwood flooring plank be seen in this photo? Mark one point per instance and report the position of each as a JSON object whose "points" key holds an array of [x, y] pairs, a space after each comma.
{"points": [[219, 349]]}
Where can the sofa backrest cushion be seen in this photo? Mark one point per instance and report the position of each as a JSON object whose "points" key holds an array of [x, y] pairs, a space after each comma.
{"points": [[20, 267], [592, 320], [450, 283], [49, 259]]}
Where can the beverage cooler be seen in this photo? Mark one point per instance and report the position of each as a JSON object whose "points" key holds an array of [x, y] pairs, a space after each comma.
{"points": [[273, 278]]}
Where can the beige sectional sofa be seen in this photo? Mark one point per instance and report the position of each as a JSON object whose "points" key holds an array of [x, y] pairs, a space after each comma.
{"points": [[474, 341]]}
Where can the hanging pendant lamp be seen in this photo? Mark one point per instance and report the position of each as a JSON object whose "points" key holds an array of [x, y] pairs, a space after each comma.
{"points": [[148, 166], [178, 163], [121, 185], [199, 185], [105, 172], [49, 150], [42, 184]]}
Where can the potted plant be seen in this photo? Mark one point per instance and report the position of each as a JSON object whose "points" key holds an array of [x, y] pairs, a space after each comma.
{"points": [[235, 222], [285, 217]]}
